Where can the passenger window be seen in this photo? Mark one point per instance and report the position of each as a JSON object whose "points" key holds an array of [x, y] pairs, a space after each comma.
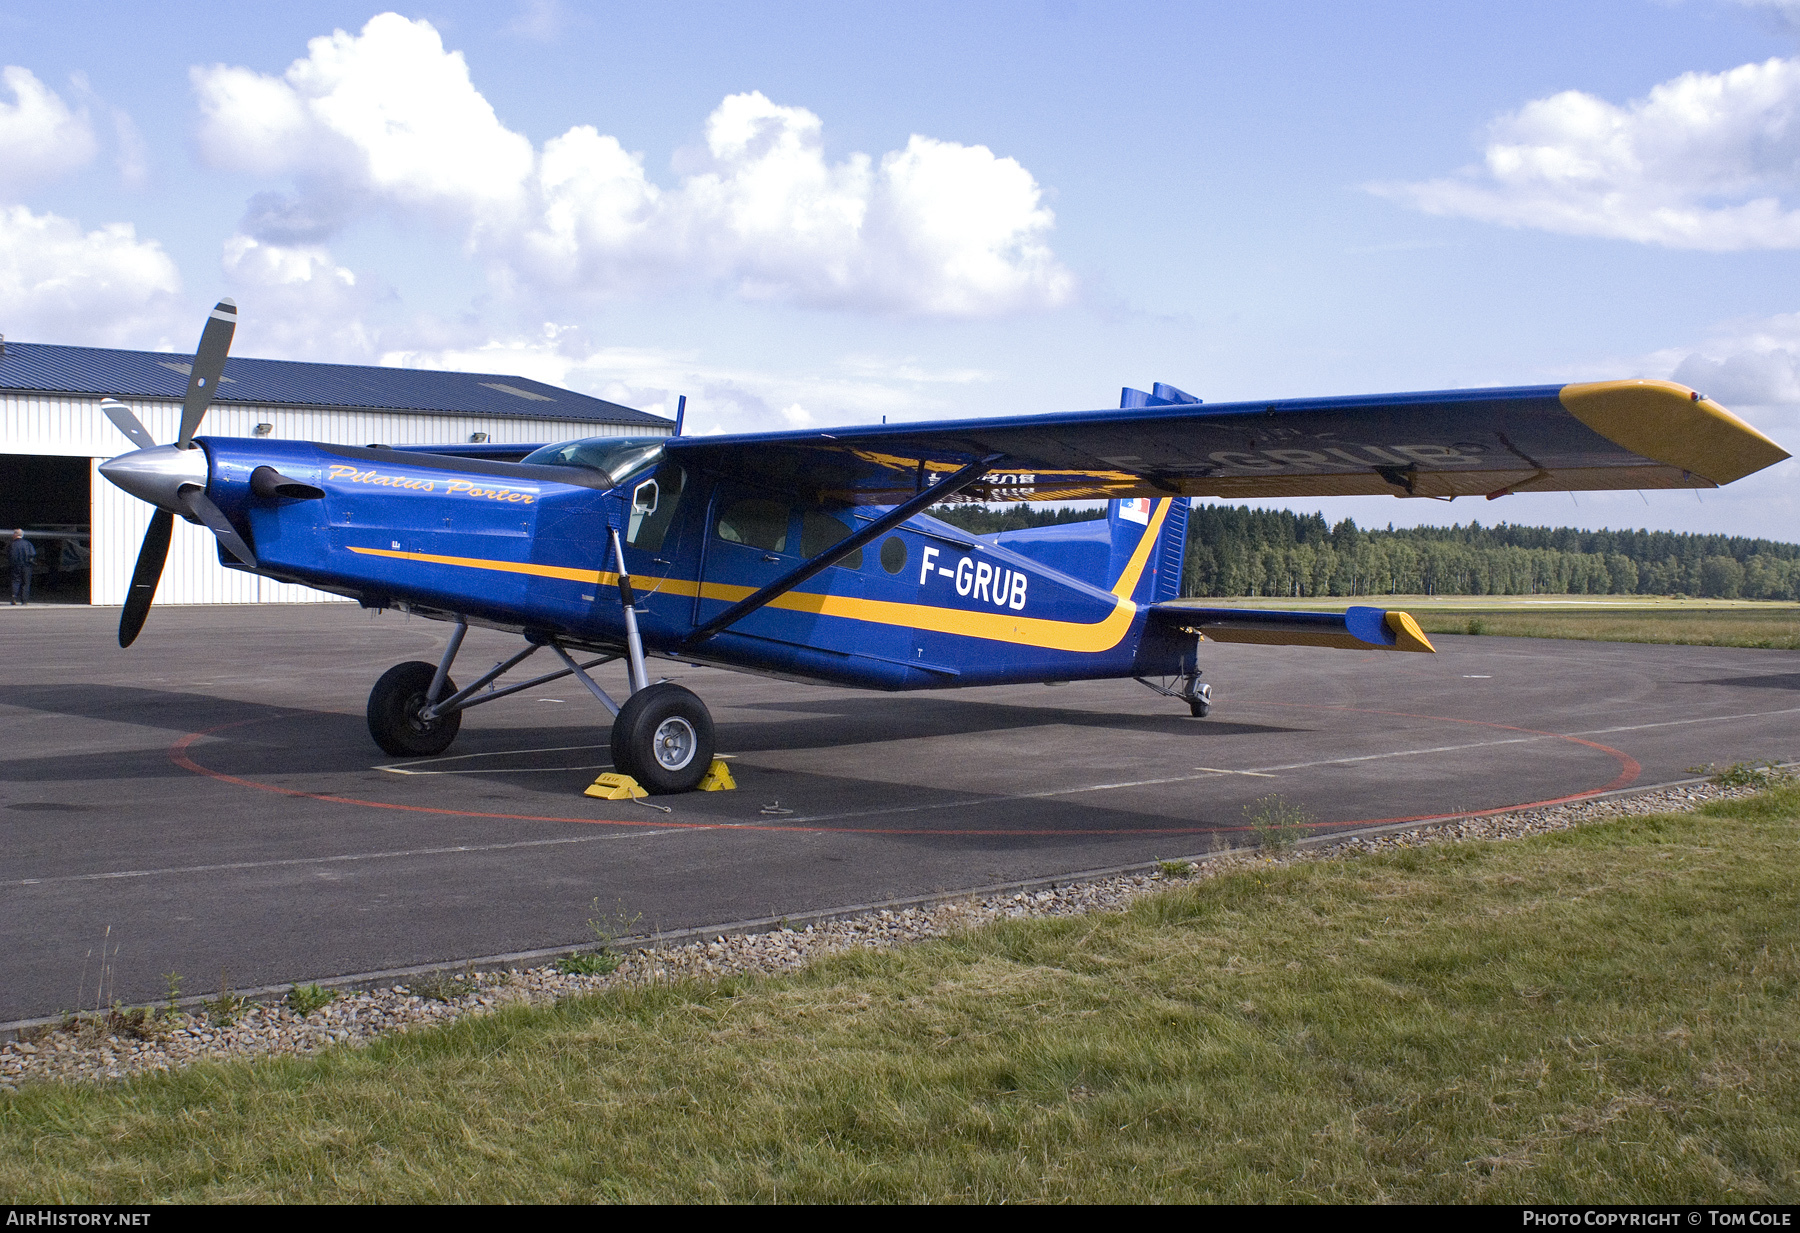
{"points": [[756, 523], [819, 532], [893, 554], [653, 505]]}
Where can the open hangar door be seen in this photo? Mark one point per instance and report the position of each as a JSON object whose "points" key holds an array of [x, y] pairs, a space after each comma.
{"points": [[50, 498]]}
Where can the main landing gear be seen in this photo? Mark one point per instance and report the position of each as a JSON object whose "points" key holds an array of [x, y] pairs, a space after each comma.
{"points": [[396, 711], [662, 736]]}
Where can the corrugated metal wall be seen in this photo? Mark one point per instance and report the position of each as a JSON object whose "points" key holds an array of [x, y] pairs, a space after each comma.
{"points": [[74, 427]]}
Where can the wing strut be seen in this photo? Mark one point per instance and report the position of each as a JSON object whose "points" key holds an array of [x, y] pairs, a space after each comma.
{"points": [[951, 484]]}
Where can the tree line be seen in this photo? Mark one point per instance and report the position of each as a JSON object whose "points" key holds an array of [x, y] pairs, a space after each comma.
{"points": [[1239, 551]]}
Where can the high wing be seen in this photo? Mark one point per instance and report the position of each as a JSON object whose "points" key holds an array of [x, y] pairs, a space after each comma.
{"points": [[1447, 443]]}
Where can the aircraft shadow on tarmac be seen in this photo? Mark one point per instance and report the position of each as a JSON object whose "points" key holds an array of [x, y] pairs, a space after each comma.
{"points": [[167, 709], [170, 711], [1778, 680], [887, 717], [258, 739], [842, 723]]}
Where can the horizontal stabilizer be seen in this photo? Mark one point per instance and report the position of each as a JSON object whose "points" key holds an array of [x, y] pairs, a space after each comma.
{"points": [[1357, 629]]}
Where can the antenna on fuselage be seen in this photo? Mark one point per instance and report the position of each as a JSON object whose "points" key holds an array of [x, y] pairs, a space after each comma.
{"points": [[680, 414]]}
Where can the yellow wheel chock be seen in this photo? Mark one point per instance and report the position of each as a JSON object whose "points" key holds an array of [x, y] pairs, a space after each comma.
{"points": [[718, 777], [615, 787]]}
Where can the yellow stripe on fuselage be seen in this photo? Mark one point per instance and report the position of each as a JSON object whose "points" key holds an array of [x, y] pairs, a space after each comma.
{"points": [[1102, 635]]}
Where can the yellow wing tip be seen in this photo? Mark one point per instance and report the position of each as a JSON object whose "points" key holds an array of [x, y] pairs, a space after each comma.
{"points": [[1672, 424], [1407, 634]]}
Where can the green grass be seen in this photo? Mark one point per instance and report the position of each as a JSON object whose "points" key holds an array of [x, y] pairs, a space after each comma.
{"points": [[1769, 630], [1601, 1014]]}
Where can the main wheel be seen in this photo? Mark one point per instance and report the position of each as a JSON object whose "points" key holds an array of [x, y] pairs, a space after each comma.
{"points": [[394, 706], [663, 738]]}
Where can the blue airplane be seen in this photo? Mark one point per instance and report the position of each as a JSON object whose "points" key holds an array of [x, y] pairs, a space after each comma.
{"points": [[809, 555]]}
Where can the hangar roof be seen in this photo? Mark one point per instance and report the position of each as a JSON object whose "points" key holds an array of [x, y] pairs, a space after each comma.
{"points": [[49, 369]]}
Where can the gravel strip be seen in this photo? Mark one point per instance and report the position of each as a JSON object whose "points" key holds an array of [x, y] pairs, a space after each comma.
{"points": [[95, 1048]]}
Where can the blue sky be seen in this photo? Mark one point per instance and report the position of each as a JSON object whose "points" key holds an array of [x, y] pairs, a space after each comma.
{"points": [[812, 214]]}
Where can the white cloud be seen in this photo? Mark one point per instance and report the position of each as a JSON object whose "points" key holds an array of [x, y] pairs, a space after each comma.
{"points": [[1781, 14], [909, 369], [40, 137], [133, 156], [389, 112], [539, 20], [100, 288], [305, 305], [721, 398], [389, 120], [1704, 161]]}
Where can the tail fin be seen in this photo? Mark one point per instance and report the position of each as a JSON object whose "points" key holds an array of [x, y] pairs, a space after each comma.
{"points": [[1159, 573], [1105, 552]]}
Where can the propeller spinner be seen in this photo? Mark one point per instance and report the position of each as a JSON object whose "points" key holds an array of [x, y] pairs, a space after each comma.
{"points": [[173, 477]]}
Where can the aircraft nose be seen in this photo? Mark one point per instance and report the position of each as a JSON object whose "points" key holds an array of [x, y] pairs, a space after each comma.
{"points": [[158, 475]]}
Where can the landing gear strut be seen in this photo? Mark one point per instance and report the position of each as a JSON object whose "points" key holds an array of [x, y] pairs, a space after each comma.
{"points": [[662, 737]]}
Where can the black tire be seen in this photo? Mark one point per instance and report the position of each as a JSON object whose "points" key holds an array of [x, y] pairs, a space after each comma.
{"points": [[394, 706], [1199, 708], [663, 738]]}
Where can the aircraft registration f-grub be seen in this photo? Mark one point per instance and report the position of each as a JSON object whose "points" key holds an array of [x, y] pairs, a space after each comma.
{"points": [[809, 555]]}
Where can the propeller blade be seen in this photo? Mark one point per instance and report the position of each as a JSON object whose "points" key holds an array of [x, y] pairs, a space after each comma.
{"points": [[201, 506], [127, 423], [145, 577], [209, 366]]}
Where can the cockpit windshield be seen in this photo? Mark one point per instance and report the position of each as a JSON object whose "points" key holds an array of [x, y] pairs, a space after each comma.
{"points": [[614, 457]]}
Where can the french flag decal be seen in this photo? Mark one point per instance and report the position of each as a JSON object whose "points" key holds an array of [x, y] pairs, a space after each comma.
{"points": [[1137, 509]]}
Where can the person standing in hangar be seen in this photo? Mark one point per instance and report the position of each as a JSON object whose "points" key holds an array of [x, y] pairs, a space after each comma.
{"points": [[21, 554]]}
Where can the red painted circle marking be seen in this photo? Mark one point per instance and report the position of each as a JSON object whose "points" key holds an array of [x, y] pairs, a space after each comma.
{"points": [[1629, 770]]}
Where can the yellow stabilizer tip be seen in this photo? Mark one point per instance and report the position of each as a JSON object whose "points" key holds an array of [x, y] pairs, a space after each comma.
{"points": [[718, 778], [614, 787], [1407, 634]]}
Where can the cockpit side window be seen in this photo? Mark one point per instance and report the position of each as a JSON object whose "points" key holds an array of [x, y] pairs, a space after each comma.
{"points": [[653, 505], [756, 522]]}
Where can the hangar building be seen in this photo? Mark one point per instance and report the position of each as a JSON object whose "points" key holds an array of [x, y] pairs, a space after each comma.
{"points": [[53, 438]]}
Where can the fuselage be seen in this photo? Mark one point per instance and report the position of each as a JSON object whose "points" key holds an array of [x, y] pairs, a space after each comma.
{"points": [[526, 548]]}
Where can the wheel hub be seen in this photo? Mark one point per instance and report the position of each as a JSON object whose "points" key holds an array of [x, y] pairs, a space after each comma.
{"points": [[414, 720], [674, 743]]}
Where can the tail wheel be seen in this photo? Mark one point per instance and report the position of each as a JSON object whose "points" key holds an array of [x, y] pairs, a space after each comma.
{"points": [[1200, 701], [663, 738], [394, 706]]}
